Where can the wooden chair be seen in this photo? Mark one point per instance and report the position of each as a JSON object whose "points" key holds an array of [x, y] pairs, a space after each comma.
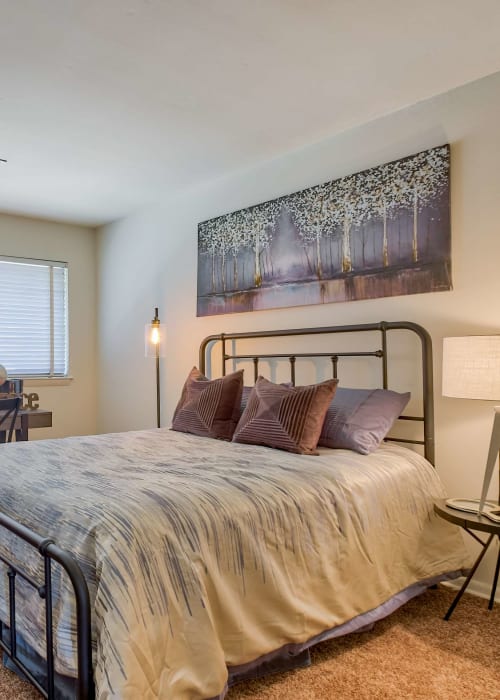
{"points": [[9, 408]]}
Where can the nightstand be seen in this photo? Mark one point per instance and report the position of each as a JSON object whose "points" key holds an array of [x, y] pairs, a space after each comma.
{"points": [[470, 522]]}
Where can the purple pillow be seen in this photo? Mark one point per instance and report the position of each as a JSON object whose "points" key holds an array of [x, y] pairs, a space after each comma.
{"points": [[359, 419], [286, 418], [247, 390], [210, 408]]}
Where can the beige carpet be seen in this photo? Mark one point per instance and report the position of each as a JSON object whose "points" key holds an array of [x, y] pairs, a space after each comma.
{"points": [[413, 653]]}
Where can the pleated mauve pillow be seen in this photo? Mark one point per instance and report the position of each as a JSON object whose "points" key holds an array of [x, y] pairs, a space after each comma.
{"points": [[209, 408], [287, 418], [247, 390]]}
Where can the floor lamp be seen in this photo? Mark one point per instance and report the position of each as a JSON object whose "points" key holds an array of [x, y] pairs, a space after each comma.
{"points": [[471, 370], [154, 347]]}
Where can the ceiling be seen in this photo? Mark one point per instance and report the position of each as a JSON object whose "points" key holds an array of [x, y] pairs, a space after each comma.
{"points": [[108, 105]]}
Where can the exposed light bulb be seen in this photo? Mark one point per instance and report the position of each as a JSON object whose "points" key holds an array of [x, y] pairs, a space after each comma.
{"points": [[155, 336]]}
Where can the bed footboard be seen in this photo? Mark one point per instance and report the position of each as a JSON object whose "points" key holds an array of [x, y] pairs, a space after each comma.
{"points": [[49, 552]]}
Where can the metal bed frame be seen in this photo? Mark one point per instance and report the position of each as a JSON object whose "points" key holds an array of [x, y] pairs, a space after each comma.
{"points": [[427, 417], [49, 551]]}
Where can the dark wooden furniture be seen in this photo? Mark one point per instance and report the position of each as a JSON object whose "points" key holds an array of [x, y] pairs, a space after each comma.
{"points": [[470, 522], [12, 386], [9, 409], [26, 420], [32, 418]]}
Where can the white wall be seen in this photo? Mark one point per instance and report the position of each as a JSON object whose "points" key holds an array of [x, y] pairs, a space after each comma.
{"points": [[74, 404], [150, 259]]}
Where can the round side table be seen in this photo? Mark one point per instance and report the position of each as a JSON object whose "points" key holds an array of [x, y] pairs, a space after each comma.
{"points": [[470, 522]]}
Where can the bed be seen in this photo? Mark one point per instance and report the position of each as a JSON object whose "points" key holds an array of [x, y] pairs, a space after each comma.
{"points": [[194, 562]]}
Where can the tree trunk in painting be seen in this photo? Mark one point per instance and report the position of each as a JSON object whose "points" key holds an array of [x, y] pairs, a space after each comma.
{"points": [[319, 267], [363, 246], [269, 264], [310, 265], [257, 275], [346, 248], [385, 250], [213, 273], [235, 271], [414, 247], [223, 271]]}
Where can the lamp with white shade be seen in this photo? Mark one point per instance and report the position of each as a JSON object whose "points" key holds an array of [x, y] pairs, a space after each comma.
{"points": [[471, 370]]}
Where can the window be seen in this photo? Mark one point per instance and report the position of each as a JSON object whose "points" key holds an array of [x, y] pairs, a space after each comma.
{"points": [[33, 317]]}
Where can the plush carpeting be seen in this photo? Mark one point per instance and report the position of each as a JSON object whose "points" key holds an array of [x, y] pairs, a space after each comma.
{"points": [[412, 654]]}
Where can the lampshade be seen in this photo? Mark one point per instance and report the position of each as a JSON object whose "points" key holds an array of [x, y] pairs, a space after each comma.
{"points": [[471, 367], [471, 370]]}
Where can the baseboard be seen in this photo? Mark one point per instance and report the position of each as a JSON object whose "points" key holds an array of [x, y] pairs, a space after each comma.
{"points": [[477, 588]]}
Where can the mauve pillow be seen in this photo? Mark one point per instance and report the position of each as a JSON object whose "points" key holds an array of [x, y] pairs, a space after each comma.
{"points": [[247, 390], [209, 408], [359, 419], [245, 395], [287, 418]]}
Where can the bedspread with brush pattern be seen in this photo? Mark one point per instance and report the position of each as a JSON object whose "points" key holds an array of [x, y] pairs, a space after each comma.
{"points": [[202, 554]]}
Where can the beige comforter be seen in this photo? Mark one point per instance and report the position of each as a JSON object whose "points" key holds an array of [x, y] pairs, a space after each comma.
{"points": [[202, 554]]}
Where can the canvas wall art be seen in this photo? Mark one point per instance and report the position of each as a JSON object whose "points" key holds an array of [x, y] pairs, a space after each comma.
{"points": [[381, 232]]}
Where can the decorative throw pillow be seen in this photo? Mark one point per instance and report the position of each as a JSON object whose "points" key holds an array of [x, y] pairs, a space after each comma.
{"points": [[245, 395], [209, 408], [288, 418], [359, 419], [247, 390]]}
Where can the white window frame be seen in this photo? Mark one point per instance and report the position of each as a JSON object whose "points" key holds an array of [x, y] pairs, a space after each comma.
{"points": [[50, 264]]}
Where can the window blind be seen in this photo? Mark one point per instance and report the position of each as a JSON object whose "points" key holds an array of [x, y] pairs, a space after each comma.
{"points": [[33, 317]]}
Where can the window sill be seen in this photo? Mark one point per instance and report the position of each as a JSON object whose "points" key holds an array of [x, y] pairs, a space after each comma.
{"points": [[46, 381]]}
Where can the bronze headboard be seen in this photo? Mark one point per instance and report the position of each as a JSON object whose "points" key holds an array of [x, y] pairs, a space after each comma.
{"points": [[427, 417]]}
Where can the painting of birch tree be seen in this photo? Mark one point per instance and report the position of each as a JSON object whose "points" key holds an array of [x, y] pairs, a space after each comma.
{"points": [[380, 232]]}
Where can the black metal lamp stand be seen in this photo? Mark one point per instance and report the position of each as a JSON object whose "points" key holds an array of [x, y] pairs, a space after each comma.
{"points": [[154, 341], [155, 335]]}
